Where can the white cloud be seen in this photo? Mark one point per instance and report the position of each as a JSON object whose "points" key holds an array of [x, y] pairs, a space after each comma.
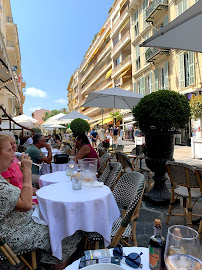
{"points": [[34, 92], [61, 101], [34, 109]]}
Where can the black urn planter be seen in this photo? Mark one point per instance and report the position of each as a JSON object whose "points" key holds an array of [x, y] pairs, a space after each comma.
{"points": [[160, 148]]}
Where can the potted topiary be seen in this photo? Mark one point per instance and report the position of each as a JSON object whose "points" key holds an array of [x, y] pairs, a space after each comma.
{"points": [[159, 115], [196, 113], [79, 126]]}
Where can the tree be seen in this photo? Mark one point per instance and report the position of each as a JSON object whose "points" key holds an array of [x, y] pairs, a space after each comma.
{"points": [[52, 113], [117, 116], [79, 126]]}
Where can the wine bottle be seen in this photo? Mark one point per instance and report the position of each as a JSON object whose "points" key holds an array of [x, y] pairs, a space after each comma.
{"points": [[157, 248]]}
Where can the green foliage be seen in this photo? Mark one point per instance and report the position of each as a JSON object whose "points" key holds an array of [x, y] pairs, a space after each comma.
{"points": [[196, 107], [163, 110], [79, 126], [37, 130], [117, 115], [52, 113]]}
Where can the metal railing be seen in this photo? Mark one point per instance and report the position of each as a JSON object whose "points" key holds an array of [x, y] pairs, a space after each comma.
{"points": [[119, 19], [154, 4], [9, 19], [121, 41], [121, 64], [10, 43], [150, 52]]}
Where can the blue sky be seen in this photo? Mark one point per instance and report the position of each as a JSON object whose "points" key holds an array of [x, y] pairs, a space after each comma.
{"points": [[54, 37]]}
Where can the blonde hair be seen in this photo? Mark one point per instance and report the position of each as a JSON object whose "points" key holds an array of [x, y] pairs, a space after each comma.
{"points": [[3, 139]]}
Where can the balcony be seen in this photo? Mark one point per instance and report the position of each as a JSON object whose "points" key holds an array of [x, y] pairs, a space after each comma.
{"points": [[10, 43], [9, 19], [119, 19], [152, 54], [122, 42], [122, 64], [155, 8], [127, 85]]}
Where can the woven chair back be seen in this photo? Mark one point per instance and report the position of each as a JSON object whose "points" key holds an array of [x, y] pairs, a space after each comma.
{"points": [[123, 159], [111, 174], [182, 174]]}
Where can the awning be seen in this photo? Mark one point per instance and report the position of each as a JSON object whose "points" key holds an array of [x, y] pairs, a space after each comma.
{"points": [[109, 72], [123, 73], [124, 25], [96, 123], [107, 120], [122, 3]]}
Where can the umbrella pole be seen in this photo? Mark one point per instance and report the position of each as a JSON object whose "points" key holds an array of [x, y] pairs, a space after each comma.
{"points": [[102, 117]]}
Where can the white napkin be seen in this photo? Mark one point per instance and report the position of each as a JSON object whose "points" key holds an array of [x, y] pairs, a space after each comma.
{"points": [[37, 217], [73, 266]]}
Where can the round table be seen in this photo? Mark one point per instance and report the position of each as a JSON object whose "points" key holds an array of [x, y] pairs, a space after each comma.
{"points": [[65, 211], [53, 150], [54, 178]]}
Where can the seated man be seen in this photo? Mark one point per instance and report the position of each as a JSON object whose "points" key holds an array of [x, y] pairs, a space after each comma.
{"points": [[36, 154]]}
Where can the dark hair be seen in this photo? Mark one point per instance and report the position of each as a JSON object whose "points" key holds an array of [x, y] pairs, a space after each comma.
{"points": [[57, 137], [37, 137], [83, 138]]}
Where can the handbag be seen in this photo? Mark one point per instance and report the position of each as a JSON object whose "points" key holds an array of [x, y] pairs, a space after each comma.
{"points": [[61, 158]]}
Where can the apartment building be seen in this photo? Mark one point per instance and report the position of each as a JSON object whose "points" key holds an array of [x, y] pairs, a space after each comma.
{"points": [[107, 63], [11, 82]]}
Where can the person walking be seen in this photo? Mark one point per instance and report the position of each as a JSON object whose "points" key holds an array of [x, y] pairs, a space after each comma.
{"points": [[94, 137]]}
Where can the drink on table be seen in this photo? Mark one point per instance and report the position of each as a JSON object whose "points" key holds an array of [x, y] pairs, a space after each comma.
{"points": [[77, 180], [182, 250], [157, 248], [70, 166]]}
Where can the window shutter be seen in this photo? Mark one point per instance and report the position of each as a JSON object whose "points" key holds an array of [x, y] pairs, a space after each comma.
{"points": [[181, 71], [191, 68], [156, 80], [142, 86], [134, 87], [185, 5], [165, 21], [166, 76], [151, 82]]}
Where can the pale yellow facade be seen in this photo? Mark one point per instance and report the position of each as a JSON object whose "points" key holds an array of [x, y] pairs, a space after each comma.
{"points": [[114, 58], [11, 90]]}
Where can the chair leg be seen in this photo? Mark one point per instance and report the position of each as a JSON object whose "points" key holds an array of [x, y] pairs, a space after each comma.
{"points": [[134, 238], [200, 228], [34, 263], [25, 262], [169, 212]]}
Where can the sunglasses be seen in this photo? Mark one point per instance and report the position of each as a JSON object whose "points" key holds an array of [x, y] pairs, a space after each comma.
{"points": [[133, 259]]}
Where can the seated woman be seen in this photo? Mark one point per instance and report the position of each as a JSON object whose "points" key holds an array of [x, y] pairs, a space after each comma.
{"points": [[57, 140], [83, 149], [16, 223]]}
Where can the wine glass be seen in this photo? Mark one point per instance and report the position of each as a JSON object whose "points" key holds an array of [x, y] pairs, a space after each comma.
{"points": [[182, 251]]}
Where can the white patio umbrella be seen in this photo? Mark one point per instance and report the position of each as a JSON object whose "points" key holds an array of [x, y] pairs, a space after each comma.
{"points": [[53, 126], [25, 120], [183, 33], [53, 119], [114, 98], [67, 118]]}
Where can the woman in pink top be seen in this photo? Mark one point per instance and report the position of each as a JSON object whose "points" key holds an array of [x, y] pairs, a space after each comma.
{"points": [[83, 149], [14, 175]]}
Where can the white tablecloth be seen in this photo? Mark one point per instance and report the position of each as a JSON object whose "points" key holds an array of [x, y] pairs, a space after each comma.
{"points": [[53, 150], [65, 211], [54, 178], [126, 250], [55, 168]]}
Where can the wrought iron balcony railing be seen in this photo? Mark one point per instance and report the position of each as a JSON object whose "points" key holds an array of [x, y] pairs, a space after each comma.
{"points": [[154, 7], [152, 53]]}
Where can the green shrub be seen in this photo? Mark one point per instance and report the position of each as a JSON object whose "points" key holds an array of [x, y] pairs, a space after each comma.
{"points": [[79, 126], [163, 110]]}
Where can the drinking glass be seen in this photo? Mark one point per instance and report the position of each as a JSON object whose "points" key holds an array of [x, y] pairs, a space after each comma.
{"points": [[183, 249], [70, 166]]}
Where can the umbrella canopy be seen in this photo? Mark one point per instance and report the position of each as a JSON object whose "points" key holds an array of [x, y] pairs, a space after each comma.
{"points": [[24, 119], [53, 119], [114, 98], [53, 126], [67, 118], [183, 33]]}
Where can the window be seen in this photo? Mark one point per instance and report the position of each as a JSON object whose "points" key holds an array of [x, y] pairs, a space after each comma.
{"points": [[145, 4], [156, 80], [137, 57], [149, 83], [181, 7], [134, 86], [142, 86], [186, 69], [145, 49], [117, 61], [164, 77], [136, 23], [116, 40]]}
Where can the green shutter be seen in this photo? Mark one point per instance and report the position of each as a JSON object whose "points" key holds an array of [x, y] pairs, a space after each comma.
{"points": [[134, 87], [165, 21], [151, 82], [181, 71], [191, 68], [156, 80], [142, 86], [166, 76]]}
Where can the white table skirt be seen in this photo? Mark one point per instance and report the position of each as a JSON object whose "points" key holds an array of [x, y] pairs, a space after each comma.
{"points": [[55, 168], [53, 150], [65, 211], [126, 250], [54, 178]]}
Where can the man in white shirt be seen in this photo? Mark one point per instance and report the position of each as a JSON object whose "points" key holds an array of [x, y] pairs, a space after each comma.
{"points": [[30, 140]]}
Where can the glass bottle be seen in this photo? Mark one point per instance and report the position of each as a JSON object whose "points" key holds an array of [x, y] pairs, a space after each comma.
{"points": [[157, 248]]}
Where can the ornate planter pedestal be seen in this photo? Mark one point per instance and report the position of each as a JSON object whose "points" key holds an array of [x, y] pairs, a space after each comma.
{"points": [[160, 148]]}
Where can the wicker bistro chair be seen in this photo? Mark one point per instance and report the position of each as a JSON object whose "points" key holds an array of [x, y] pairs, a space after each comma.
{"points": [[7, 253], [184, 183], [101, 151], [111, 174], [103, 163], [128, 194], [124, 160]]}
